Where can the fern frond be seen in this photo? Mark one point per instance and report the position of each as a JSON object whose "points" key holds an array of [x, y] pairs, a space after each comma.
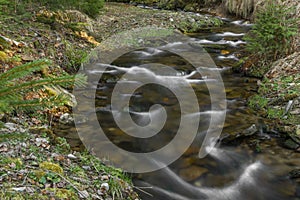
{"points": [[5, 107], [23, 70], [35, 104], [64, 81], [12, 93]]}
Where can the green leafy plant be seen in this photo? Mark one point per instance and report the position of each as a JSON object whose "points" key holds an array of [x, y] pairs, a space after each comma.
{"points": [[4, 5], [89, 7], [272, 35], [74, 57], [258, 102], [13, 90]]}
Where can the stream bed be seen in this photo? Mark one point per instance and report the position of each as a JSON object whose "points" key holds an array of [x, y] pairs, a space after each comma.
{"points": [[246, 162]]}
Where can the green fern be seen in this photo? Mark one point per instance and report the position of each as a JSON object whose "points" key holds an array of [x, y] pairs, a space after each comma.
{"points": [[12, 90]]}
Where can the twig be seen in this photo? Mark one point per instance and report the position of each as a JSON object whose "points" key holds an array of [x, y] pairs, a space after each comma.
{"points": [[25, 178], [95, 167], [70, 183], [141, 189]]}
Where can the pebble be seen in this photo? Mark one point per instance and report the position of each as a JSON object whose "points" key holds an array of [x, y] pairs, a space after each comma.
{"points": [[40, 141], [11, 126], [71, 156], [250, 131], [104, 178], [99, 192], [19, 189], [104, 187], [66, 118], [94, 196], [86, 167], [83, 194], [191, 20]]}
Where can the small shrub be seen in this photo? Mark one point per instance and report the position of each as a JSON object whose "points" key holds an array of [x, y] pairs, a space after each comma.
{"points": [[74, 57], [91, 7], [273, 33]]}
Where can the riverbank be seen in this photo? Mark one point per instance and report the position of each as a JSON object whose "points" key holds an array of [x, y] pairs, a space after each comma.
{"points": [[35, 164], [278, 95]]}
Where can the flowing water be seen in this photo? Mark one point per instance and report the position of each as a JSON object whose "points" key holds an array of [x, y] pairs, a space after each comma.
{"points": [[244, 164]]}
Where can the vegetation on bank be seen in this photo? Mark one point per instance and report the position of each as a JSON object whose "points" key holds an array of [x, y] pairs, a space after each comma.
{"points": [[273, 44], [34, 166], [271, 38], [41, 44], [185, 5], [89, 7], [14, 93], [40, 165]]}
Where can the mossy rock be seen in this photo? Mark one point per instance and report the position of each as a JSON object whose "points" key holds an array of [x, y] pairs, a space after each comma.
{"points": [[72, 19]]}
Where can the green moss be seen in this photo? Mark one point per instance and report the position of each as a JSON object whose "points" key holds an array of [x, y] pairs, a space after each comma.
{"points": [[3, 56], [63, 193], [37, 174], [51, 167], [12, 195]]}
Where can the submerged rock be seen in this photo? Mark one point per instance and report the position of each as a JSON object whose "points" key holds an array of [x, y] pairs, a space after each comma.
{"points": [[290, 144], [294, 174], [192, 173]]}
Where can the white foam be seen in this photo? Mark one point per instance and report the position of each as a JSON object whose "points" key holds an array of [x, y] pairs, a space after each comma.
{"points": [[231, 34], [230, 57], [222, 42]]}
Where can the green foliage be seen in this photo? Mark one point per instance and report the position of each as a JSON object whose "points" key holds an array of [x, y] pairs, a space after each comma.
{"points": [[74, 57], [187, 5], [90, 7], [258, 102], [275, 113], [12, 90], [188, 26], [272, 35], [4, 6]]}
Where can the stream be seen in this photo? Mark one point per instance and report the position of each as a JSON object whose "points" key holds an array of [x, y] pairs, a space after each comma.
{"points": [[245, 163]]}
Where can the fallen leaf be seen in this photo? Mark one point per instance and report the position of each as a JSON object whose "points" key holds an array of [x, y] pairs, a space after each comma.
{"points": [[224, 52]]}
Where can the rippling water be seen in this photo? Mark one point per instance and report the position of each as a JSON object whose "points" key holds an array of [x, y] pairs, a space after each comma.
{"points": [[234, 169]]}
